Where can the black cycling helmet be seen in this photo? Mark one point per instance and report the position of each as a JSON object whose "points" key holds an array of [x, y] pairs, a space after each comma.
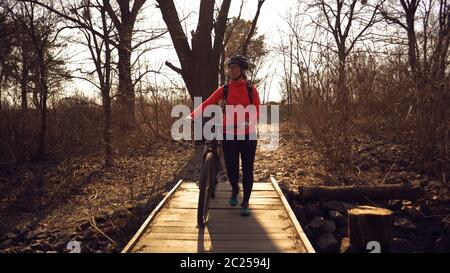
{"points": [[242, 61]]}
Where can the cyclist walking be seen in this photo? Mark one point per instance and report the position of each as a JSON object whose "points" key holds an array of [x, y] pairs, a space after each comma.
{"points": [[239, 131]]}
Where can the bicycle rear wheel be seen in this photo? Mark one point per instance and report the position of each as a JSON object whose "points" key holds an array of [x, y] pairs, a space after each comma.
{"points": [[205, 190]]}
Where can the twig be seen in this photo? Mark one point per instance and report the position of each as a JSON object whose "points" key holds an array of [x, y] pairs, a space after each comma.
{"points": [[437, 215], [389, 171], [93, 224], [10, 151]]}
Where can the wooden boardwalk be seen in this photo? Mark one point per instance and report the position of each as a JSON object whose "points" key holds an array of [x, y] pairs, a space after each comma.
{"points": [[271, 227]]}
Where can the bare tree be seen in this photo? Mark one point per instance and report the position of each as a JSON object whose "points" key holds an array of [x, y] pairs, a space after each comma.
{"points": [[393, 15], [101, 55], [199, 63], [252, 29], [342, 19], [124, 18], [42, 29], [428, 61]]}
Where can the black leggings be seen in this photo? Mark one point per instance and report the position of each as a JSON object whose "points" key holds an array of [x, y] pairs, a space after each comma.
{"points": [[232, 148]]}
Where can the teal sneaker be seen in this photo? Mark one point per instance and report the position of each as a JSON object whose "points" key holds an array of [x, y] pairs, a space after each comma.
{"points": [[245, 210], [233, 199]]}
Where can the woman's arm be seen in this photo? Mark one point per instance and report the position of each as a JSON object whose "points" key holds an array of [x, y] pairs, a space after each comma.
{"points": [[213, 99]]}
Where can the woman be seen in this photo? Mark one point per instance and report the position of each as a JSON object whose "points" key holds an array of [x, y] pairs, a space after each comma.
{"points": [[240, 139]]}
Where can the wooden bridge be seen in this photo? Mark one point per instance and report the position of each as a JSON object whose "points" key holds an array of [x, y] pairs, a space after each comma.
{"points": [[271, 227]]}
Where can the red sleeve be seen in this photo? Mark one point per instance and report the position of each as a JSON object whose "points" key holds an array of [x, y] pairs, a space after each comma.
{"points": [[212, 99]]}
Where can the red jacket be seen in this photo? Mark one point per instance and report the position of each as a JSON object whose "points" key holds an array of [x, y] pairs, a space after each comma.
{"points": [[237, 95]]}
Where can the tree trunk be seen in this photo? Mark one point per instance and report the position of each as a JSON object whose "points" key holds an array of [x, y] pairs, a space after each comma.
{"points": [[43, 95], [126, 96], [41, 149], [124, 26], [199, 65], [24, 103], [357, 193], [107, 135]]}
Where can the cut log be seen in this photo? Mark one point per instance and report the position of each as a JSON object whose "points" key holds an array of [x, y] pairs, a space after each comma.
{"points": [[357, 192], [370, 228]]}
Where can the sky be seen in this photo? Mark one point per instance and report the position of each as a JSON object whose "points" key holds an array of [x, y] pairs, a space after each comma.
{"points": [[271, 19]]}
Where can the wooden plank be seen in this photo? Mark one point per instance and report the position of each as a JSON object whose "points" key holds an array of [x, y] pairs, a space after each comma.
{"points": [[217, 229], [221, 237], [143, 227], [224, 201], [255, 194], [166, 246], [212, 222], [307, 244], [223, 215], [192, 205], [264, 186]]}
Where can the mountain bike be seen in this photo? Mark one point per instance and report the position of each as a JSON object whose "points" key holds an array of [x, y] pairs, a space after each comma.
{"points": [[211, 166]]}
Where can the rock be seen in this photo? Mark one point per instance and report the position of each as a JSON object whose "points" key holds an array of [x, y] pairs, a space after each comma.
{"points": [[6, 243], [334, 205], [9, 235], [312, 210], [93, 244], [327, 243], [300, 172], [61, 244], [87, 234], [109, 248], [422, 243], [27, 249], [441, 245], [328, 226], [338, 218], [41, 235], [299, 211], [399, 245], [404, 223], [316, 226], [36, 246], [72, 234], [395, 204], [45, 244], [407, 203], [436, 228], [100, 220], [53, 238], [84, 224], [21, 230], [412, 211], [31, 235]]}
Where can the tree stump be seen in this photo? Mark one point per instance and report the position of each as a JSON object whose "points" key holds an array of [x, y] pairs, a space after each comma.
{"points": [[370, 228]]}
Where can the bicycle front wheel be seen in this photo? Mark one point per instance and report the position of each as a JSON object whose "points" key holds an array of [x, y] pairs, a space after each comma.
{"points": [[205, 190]]}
